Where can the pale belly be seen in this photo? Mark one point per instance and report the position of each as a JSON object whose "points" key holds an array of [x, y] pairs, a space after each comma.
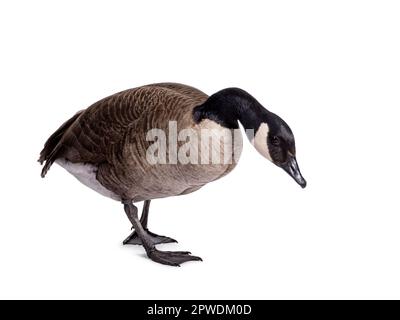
{"points": [[216, 156], [159, 180], [86, 174], [175, 180]]}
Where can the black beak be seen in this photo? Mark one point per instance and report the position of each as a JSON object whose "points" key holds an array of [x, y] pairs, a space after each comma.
{"points": [[292, 168]]}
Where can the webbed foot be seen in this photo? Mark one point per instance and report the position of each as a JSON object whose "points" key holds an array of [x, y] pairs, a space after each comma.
{"points": [[153, 238], [171, 258]]}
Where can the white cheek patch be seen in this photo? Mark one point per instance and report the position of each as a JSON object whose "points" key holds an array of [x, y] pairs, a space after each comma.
{"points": [[260, 141]]}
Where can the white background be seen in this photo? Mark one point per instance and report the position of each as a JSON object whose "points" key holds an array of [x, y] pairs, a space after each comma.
{"points": [[331, 69]]}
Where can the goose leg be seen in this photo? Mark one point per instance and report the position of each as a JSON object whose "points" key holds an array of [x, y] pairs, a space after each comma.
{"points": [[155, 238], [172, 258]]}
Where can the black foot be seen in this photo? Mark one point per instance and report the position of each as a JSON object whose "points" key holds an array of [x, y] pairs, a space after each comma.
{"points": [[171, 258], [154, 238]]}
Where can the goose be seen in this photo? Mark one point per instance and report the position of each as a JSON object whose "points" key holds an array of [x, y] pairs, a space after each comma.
{"points": [[106, 147]]}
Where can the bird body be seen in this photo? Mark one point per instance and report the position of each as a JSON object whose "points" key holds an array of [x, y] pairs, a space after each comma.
{"points": [[158, 141], [105, 146]]}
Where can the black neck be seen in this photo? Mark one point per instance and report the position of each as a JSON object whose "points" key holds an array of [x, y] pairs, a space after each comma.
{"points": [[228, 106]]}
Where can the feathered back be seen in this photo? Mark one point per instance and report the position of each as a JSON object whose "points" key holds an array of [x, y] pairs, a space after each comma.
{"points": [[87, 136]]}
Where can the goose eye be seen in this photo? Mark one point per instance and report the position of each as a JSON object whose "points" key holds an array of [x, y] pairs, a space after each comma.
{"points": [[275, 141]]}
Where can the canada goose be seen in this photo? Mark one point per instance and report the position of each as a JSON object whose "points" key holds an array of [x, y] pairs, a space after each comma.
{"points": [[106, 148]]}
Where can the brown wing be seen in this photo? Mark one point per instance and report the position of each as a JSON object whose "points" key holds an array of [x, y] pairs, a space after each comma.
{"points": [[91, 134], [185, 90], [52, 144]]}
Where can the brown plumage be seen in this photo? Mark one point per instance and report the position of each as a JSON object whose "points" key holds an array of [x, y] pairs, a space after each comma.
{"points": [[105, 147], [111, 135]]}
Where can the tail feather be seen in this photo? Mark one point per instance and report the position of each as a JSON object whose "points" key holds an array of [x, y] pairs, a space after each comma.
{"points": [[53, 145]]}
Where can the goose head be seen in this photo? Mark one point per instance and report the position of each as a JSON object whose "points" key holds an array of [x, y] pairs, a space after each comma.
{"points": [[274, 140], [268, 133]]}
